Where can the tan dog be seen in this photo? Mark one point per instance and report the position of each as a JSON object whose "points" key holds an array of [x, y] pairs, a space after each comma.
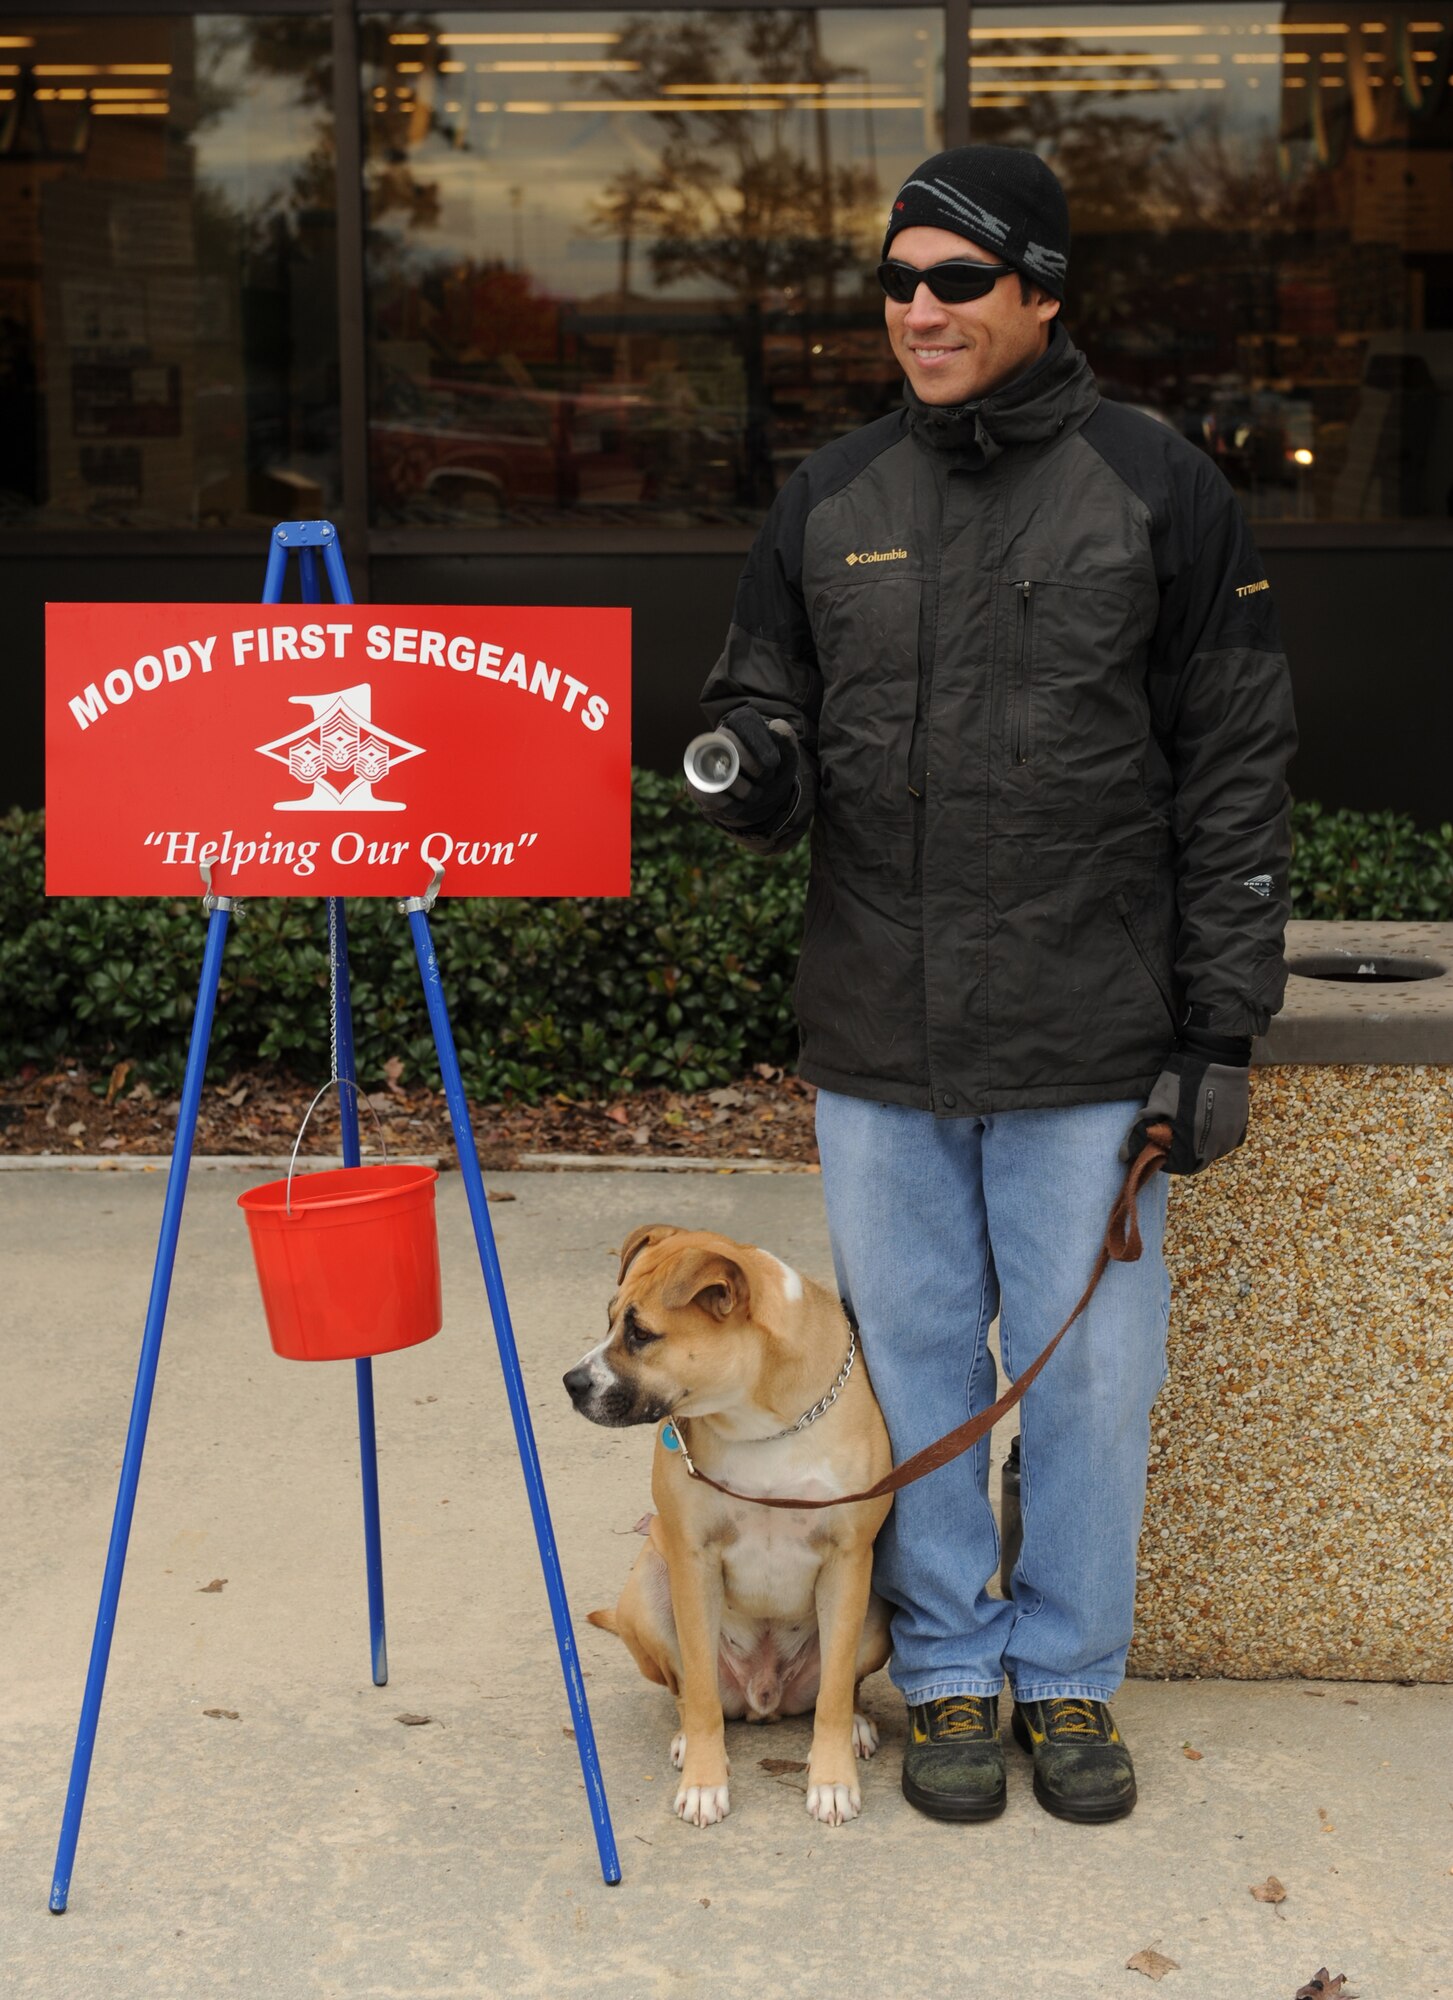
{"points": [[745, 1611]]}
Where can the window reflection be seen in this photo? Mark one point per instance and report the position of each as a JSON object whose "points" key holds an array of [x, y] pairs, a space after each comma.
{"points": [[168, 332], [1262, 202], [620, 265]]}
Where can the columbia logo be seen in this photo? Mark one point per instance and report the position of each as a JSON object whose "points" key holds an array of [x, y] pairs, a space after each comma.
{"points": [[1259, 884], [877, 555]]}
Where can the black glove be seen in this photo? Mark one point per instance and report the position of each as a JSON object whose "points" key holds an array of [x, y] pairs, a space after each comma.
{"points": [[762, 794], [1203, 1093]]}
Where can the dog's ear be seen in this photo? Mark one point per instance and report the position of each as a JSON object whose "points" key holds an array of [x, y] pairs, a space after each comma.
{"points": [[641, 1239], [707, 1279]]}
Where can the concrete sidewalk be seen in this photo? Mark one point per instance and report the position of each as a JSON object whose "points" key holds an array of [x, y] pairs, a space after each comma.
{"points": [[315, 1847]]}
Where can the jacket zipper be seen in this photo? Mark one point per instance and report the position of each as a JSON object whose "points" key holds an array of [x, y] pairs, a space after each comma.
{"points": [[1020, 745], [1127, 925], [1206, 1120]]}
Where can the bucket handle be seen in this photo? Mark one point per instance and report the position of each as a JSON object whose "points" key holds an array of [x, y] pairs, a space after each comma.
{"points": [[332, 1084]]}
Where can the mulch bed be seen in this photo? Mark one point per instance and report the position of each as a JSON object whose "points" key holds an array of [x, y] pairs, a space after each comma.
{"points": [[767, 1115]]}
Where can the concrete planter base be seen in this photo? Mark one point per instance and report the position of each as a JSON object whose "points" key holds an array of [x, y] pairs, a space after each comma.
{"points": [[1300, 1510]]}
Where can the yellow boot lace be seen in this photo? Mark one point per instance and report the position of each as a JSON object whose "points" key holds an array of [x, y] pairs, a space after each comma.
{"points": [[1069, 1717], [961, 1715]]}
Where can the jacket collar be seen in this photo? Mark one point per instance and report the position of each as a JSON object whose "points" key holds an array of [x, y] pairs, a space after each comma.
{"points": [[1056, 394]]}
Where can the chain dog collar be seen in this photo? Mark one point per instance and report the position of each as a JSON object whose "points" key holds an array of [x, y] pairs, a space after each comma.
{"points": [[673, 1440]]}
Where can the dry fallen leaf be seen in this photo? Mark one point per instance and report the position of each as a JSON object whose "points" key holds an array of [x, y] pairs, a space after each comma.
{"points": [[1154, 1964], [1194, 1755], [118, 1077], [1322, 1986], [566, 1730], [393, 1069], [1269, 1891], [777, 1765], [705, 1902], [498, 1194], [413, 1721], [217, 1584], [230, 1713]]}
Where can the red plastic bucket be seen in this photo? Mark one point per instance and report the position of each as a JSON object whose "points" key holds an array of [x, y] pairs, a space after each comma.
{"points": [[354, 1269]]}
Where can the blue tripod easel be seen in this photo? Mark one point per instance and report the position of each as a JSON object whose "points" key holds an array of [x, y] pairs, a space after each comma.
{"points": [[310, 539]]}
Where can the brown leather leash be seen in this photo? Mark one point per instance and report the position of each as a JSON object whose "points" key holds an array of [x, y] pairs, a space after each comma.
{"points": [[1122, 1245]]}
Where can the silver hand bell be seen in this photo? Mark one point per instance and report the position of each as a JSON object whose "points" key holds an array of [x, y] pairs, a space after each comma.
{"points": [[712, 761]]}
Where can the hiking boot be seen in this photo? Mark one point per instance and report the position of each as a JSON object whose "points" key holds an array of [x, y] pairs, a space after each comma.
{"points": [[953, 1767], [1082, 1770]]}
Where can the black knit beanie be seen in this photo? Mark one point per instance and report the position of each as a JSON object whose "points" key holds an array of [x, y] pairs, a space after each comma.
{"points": [[1003, 198]]}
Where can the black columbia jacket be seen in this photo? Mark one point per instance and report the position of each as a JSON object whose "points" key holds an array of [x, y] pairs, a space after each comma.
{"points": [[1043, 719]]}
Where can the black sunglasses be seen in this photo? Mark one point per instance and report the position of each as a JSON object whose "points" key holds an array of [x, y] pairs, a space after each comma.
{"points": [[954, 283]]}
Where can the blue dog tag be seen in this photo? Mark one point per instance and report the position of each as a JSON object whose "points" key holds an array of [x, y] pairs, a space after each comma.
{"points": [[669, 1437]]}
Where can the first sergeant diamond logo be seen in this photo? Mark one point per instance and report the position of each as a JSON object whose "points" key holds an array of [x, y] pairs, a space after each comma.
{"points": [[341, 755]]}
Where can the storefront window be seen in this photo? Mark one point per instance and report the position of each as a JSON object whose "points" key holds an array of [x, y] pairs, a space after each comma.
{"points": [[1262, 202], [168, 325], [620, 265]]}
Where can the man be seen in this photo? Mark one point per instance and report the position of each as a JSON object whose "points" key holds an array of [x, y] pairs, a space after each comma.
{"points": [[1011, 654]]}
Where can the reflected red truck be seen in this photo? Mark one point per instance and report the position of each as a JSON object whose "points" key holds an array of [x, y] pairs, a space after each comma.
{"points": [[466, 450]]}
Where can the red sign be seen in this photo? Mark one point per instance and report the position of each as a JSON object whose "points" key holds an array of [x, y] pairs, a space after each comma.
{"points": [[337, 749]]}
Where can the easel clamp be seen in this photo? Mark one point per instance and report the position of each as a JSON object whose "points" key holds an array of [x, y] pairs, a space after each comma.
{"points": [[210, 902], [408, 904]]}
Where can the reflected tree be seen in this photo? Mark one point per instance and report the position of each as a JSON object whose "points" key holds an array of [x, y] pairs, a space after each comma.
{"points": [[1176, 220], [731, 202]]}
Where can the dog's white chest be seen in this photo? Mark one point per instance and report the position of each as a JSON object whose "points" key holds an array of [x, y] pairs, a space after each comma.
{"points": [[770, 1565], [771, 1571]]}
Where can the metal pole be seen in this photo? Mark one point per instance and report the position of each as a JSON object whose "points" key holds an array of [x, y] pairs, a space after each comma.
{"points": [[171, 1222], [308, 537], [514, 1386], [344, 1068]]}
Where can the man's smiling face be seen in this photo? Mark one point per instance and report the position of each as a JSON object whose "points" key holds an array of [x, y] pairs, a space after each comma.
{"points": [[959, 354]]}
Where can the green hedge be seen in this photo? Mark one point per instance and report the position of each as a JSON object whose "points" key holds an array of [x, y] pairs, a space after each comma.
{"points": [[1373, 866], [686, 982]]}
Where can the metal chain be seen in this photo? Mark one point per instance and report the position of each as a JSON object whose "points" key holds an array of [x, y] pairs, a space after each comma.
{"points": [[821, 1408], [674, 1438], [333, 1076]]}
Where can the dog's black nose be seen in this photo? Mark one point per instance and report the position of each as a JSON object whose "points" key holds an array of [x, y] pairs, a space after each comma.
{"points": [[577, 1382]]}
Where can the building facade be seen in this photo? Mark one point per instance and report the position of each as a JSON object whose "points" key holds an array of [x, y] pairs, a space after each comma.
{"points": [[542, 305]]}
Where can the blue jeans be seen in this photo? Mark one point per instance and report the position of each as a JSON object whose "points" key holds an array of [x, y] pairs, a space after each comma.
{"points": [[936, 1224]]}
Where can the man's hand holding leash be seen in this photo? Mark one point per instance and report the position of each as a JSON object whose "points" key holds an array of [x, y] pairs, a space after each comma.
{"points": [[1203, 1094]]}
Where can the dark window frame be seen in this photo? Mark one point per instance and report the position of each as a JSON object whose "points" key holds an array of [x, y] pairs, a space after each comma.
{"points": [[360, 542]]}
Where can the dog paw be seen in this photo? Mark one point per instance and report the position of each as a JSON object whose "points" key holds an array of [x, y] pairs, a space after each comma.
{"points": [[865, 1736], [678, 1753], [703, 1805], [834, 1805]]}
